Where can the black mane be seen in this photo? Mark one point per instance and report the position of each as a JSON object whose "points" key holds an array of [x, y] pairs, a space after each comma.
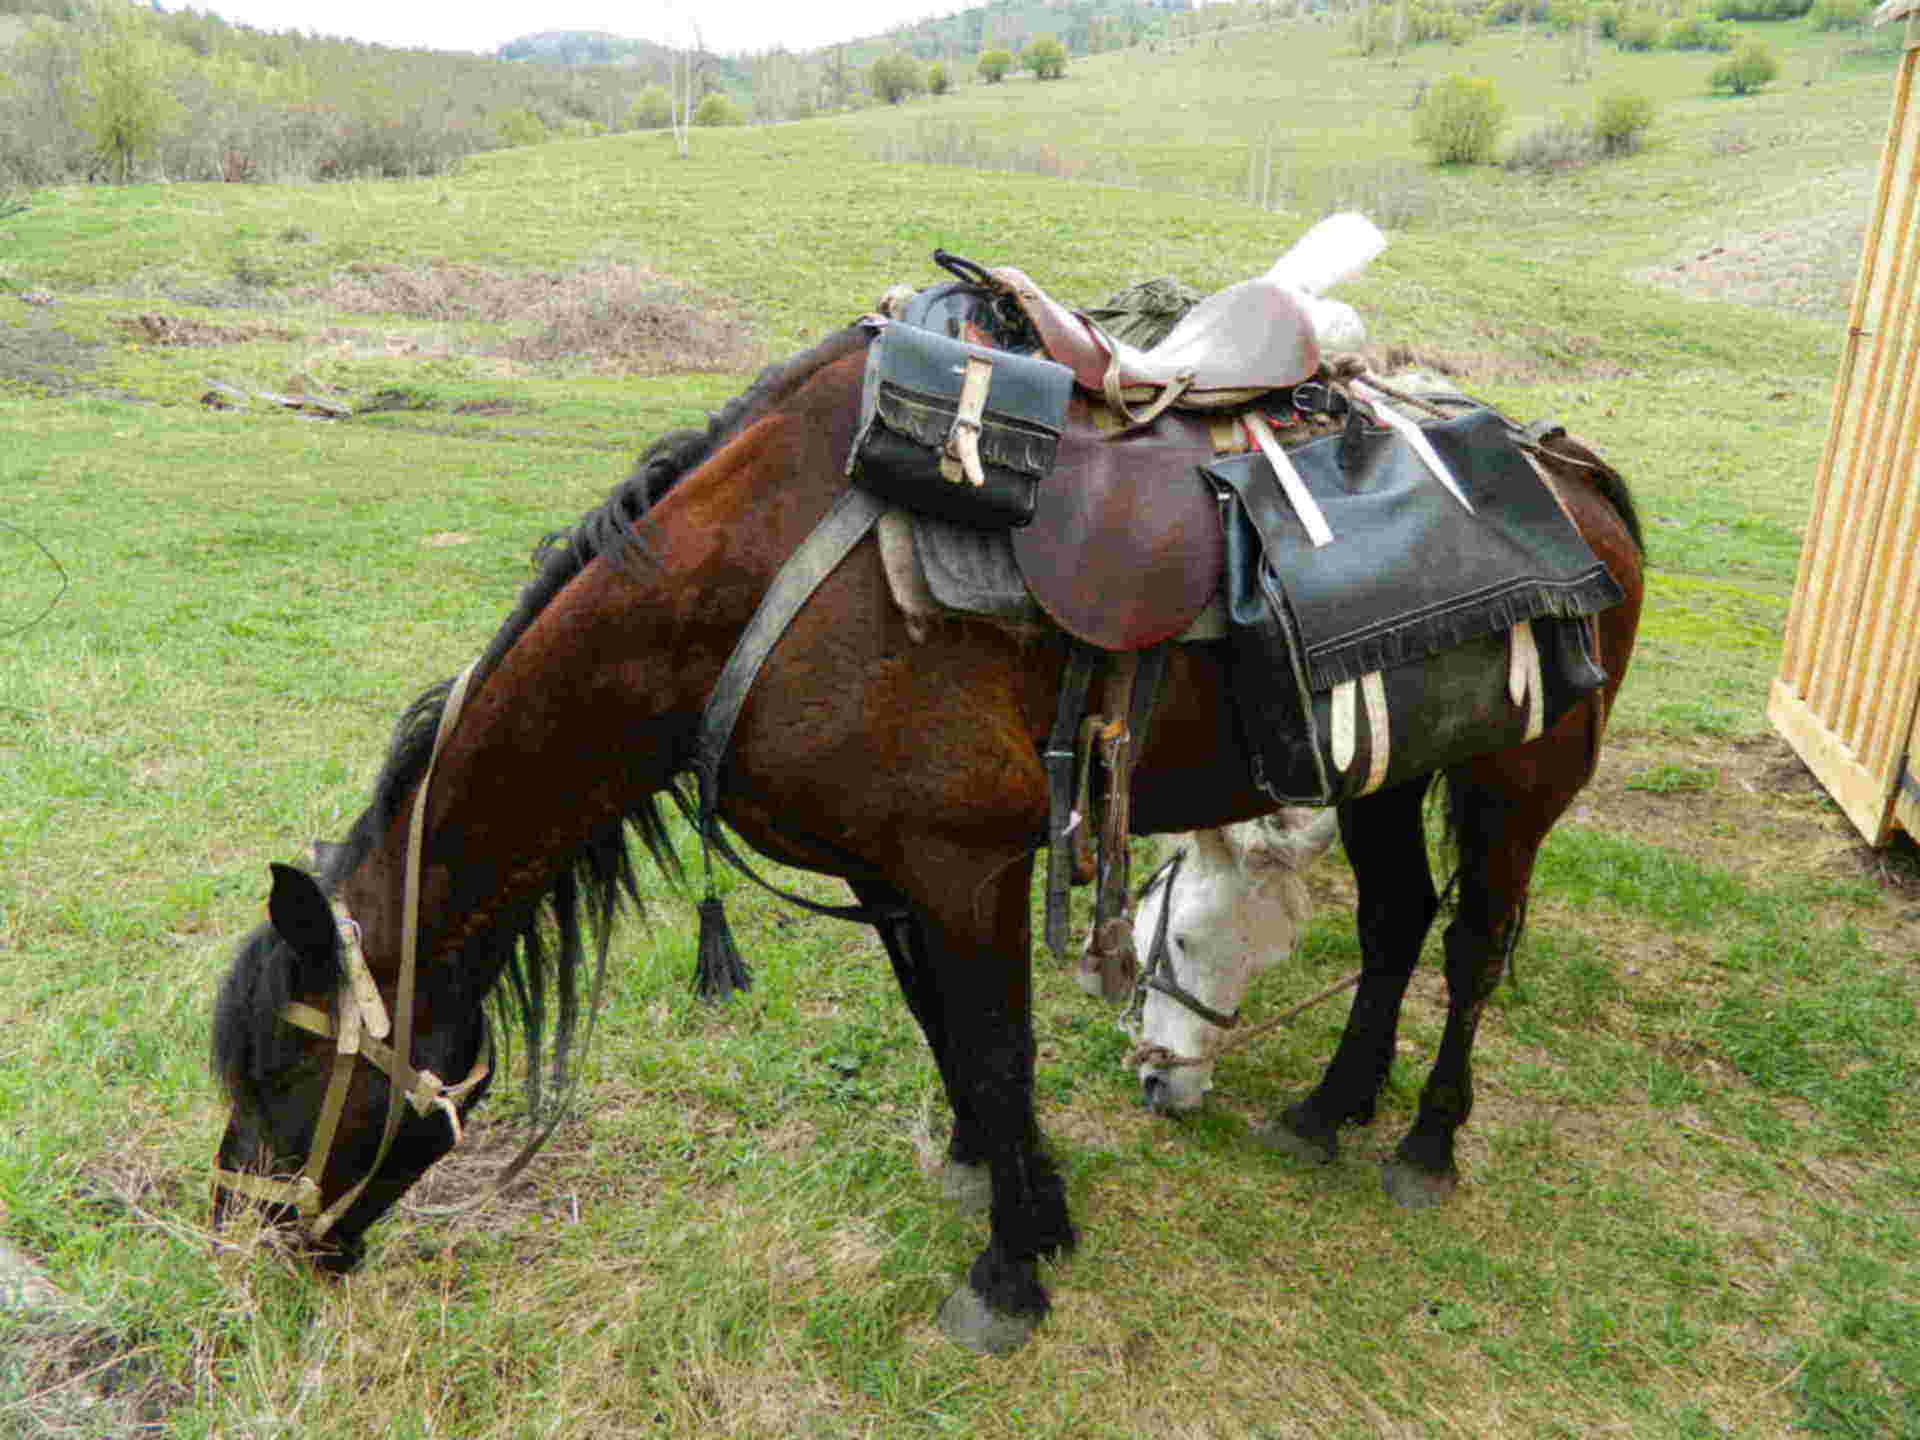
{"points": [[539, 948]]}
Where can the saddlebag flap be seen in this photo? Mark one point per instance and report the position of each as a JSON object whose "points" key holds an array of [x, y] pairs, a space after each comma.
{"points": [[957, 430], [1420, 634]]}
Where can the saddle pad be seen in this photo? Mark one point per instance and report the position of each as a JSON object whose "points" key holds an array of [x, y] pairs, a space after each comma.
{"points": [[971, 571], [1125, 547], [1410, 572]]}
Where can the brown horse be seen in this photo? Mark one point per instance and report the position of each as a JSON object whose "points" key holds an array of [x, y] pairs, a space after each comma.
{"points": [[909, 767]]}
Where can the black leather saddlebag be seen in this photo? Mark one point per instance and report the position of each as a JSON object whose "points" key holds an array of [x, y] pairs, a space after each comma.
{"points": [[912, 444], [1391, 651]]}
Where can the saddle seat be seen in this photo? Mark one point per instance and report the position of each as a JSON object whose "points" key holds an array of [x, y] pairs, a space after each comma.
{"points": [[1235, 345]]}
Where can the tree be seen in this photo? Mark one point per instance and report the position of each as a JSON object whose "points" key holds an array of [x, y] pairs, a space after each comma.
{"points": [[520, 126], [120, 97], [1749, 68], [652, 109], [1046, 57], [1460, 121], [993, 65], [717, 109], [894, 77]]}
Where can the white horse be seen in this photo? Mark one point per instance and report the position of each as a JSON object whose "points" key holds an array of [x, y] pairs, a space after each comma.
{"points": [[1226, 906]]}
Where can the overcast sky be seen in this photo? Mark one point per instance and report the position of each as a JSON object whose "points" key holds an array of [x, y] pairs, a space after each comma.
{"points": [[727, 26]]}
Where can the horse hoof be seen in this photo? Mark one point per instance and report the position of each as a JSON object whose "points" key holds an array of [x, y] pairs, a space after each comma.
{"points": [[968, 1188], [1288, 1141], [966, 1319], [1412, 1188]]}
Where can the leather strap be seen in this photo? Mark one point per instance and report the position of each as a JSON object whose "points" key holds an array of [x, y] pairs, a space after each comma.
{"points": [[831, 541], [1057, 760]]}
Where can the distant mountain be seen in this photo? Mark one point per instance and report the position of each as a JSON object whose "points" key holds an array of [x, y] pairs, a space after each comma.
{"points": [[582, 47]]}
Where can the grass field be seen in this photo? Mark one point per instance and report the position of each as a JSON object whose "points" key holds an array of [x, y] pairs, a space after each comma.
{"points": [[1687, 1209]]}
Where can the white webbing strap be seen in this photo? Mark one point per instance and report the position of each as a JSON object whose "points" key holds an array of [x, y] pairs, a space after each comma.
{"points": [[1295, 489], [1373, 689], [1525, 685], [1410, 431]]}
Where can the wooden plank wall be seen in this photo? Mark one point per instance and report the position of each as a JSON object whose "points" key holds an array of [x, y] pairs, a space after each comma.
{"points": [[1847, 696]]}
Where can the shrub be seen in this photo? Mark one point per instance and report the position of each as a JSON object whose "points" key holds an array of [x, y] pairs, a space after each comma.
{"points": [[937, 81], [1565, 144], [522, 127], [1700, 31], [993, 65], [1750, 67], [894, 77], [717, 109], [652, 109], [1621, 118], [1761, 9], [1839, 14], [1046, 57], [1638, 32], [1461, 121]]}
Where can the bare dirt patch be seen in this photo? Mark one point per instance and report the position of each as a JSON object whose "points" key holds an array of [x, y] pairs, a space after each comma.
{"points": [[1806, 265]]}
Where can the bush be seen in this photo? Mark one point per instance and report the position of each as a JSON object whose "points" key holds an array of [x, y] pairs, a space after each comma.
{"points": [[894, 77], [1638, 32], [1460, 121], [717, 109], [993, 65], [1751, 67], [937, 81], [1700, 31], [1621, 118], [652, 109], [1839, 14], [1046, 57], [1565, 144], [1761, 9], [522, 127]]}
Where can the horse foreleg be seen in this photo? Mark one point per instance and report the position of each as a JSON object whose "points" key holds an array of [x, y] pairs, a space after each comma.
{"points": [[977, 988], [1386, 845], [965, 1181]]}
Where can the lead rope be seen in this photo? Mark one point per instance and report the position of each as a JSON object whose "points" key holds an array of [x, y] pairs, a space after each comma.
{"points": [[1164, 1058]]}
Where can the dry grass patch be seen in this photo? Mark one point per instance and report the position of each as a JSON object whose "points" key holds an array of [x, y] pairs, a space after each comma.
{"points": [[622, 319], [177, 330]]}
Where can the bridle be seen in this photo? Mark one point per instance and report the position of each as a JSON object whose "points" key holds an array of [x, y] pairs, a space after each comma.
{"points": [[361, 1033], [1157, 974]]}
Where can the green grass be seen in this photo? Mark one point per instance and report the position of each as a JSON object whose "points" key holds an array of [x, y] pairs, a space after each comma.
{"points": [[1689, 1209]]}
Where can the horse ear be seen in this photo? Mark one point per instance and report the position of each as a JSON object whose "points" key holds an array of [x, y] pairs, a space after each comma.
{"points": [[301, 916]]}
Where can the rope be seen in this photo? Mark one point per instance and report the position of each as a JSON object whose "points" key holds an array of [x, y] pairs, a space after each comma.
{"points": [[1164, 1058]]}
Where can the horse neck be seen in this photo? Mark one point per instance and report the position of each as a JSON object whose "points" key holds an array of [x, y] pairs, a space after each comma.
{"points": [[589, 712]]}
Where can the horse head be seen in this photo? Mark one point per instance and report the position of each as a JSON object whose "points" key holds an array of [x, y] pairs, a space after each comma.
{"points": [[331, 1059], [1231, 905]]}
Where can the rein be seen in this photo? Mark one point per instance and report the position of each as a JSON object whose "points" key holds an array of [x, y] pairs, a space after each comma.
{"points": [[1157, 974]]}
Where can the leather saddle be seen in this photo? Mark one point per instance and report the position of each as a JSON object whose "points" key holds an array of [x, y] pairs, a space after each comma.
{"points": [[1124, 548], [1231, 348]]}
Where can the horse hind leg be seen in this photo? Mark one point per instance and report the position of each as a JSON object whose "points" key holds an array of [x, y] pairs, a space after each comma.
{"points": [[1500, 809], [1385, 842]]}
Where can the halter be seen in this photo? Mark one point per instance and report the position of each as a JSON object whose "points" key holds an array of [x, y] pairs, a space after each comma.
{"points": [[1157, 974], [363, 1027]]}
